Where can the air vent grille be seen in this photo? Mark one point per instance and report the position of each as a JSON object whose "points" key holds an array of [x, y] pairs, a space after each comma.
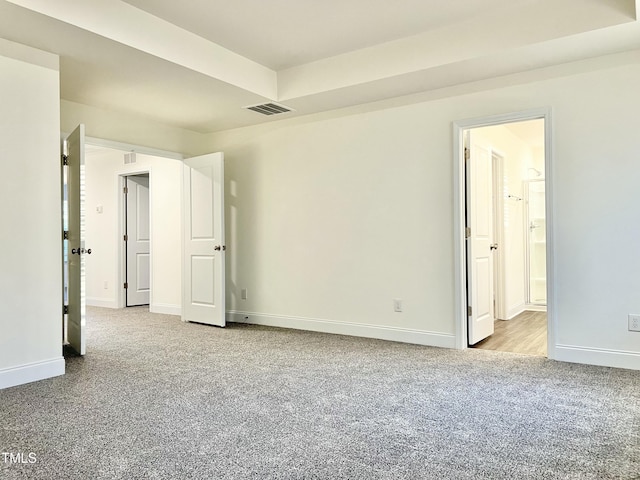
{"points": [[269, 108]]}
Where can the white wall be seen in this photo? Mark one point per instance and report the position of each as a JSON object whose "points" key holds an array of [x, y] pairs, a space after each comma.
{"points": [[333, 216], [106, 124], [30, 259], [103, 170]]}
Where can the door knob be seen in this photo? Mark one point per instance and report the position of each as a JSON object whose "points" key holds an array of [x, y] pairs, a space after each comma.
{"points": [[217, 248], [493, 246]]}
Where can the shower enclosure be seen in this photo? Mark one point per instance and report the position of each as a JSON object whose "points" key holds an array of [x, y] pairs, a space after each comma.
{"points": [[536, 235]]}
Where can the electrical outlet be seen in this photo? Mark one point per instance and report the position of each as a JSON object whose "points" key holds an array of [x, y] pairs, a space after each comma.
{"points": [[243, 294], [397, 305], [634, 323]]}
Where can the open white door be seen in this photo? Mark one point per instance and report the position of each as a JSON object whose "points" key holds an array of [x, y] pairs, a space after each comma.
{"points": [[203, 297], [74, 175], [138, 278], [479, 176]]}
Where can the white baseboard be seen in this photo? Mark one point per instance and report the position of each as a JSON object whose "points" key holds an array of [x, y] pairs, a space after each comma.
{"points": [[31, 372], [101, 302], [167, 309], [598, 356], [394, 334], [515, 311], [530, 307]]}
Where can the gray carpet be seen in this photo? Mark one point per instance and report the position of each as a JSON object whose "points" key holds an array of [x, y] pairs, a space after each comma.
{"points": [[157, 398]]}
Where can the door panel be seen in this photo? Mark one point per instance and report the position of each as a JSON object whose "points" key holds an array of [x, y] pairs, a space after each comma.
{"points": [[204, 249], [76, 240], [479, 253], [138, 244]]}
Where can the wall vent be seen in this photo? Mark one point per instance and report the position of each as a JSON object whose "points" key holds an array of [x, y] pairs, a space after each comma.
{"points": [[129, 158], [269, 108]]}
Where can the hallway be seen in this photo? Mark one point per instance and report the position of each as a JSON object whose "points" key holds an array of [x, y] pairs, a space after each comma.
{"points": [[526, 333]]}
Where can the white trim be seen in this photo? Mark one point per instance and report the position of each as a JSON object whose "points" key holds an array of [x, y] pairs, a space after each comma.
{"points": [[31, 372], [165, 309], [460, 306], [405, 335], [501, 309], [101, 302], [598, 356], [532, 307]]}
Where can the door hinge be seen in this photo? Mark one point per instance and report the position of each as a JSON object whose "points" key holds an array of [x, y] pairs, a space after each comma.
{"points": [[467, 232], [65, 159], [469, 313], [467, 154], [126, 238], [65, 235], [126, 285], [65, 309], [125, 190]]}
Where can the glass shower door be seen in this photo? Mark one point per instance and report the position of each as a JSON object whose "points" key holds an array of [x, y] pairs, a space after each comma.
{"points": [[536, 244]]}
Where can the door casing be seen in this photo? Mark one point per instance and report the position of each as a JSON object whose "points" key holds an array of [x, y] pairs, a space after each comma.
{"points": [[133, 298], [121, 181], [459, 192]]}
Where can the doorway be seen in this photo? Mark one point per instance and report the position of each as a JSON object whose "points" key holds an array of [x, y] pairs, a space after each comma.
{"points": [[136, 237], [503, 224], [109, 168]]}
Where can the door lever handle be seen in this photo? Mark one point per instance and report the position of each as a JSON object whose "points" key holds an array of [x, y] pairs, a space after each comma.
{"points": [[493, 246], [217, 248]]}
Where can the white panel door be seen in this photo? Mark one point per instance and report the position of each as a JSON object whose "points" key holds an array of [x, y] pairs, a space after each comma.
{"points": [[480, 286], [75, 244], [138, 282], [204, 248]]}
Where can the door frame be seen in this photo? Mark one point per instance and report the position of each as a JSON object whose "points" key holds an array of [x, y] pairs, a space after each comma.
{"points": [[497, 171], [121, 182], [459, 207], [124, 225]]}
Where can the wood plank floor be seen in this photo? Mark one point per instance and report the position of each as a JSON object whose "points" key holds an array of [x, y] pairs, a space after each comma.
{"points": [[526, 333]]}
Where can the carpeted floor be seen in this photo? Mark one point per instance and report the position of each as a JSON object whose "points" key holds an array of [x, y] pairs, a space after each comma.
{"points": [[157, 398]]}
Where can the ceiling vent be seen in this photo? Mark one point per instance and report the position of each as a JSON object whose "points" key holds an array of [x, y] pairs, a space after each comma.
{"points": [[269, 108]]}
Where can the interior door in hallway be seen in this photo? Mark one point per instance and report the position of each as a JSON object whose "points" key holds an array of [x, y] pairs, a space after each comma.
{"points": [[138, 275], [203, 299], [480, 264], [75, 248]]}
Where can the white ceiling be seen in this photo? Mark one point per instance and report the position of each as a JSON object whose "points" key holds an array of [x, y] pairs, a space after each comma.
{"points": [[530, 132], [195, 64], [285, 33]]}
